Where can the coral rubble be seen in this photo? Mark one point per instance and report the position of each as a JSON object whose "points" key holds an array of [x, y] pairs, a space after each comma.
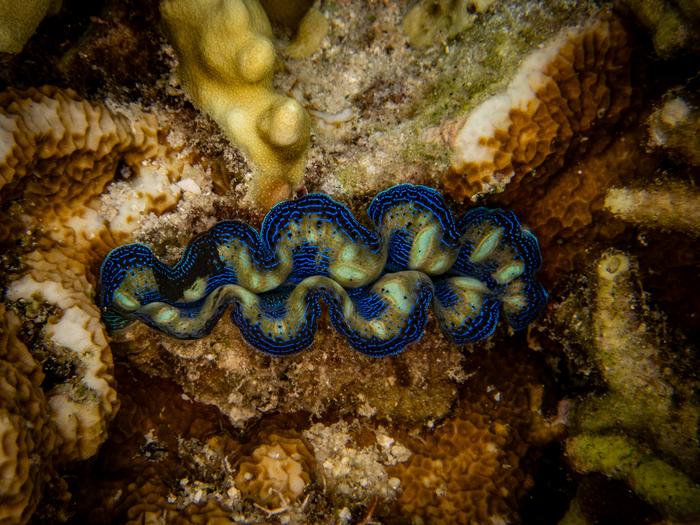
{"points": [[226, 64]]}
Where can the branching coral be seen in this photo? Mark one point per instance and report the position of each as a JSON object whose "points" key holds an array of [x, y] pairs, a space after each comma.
{"points": [[578, 81], [675, 125], [643, 402], [226, 64], [674, 207], [672, 23], [664, 486], [377, 285]]}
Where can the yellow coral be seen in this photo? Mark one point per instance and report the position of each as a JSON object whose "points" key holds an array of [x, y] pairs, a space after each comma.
{"points": [[560, 92], [19, 19], [226, 64], [277, 472]]}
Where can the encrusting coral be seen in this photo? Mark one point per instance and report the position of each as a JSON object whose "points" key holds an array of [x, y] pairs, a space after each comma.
{"points": [[432, 22], [568, 213], [28, 439], [164, 457], [645, 411], [471, 469], [226, 64], [578, 81], [278, 470], [245, 384]]}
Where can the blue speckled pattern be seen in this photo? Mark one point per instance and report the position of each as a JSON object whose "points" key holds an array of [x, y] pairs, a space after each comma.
{"points": [[377, 284]]}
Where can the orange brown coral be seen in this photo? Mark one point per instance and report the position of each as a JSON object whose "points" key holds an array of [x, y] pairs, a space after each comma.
{"points": [[59, 154], [28, 439], [567, 212], [471, 469], [580, 80], [277, 471], [153, 450]]}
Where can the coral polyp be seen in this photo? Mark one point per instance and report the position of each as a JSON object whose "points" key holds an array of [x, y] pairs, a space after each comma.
{"points": [[378, 284]]}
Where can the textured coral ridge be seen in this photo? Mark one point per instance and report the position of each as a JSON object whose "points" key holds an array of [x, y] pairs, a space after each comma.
{"points": [[378, 285], [577, 82], [28, 440]]}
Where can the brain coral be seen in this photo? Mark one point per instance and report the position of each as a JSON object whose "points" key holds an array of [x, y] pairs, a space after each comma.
{"points": [[278, 471], [470, 469], [576, 82], [162, 459], [27, 437], [59, 153]]}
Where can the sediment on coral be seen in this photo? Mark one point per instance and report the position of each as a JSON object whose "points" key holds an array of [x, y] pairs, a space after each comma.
{"points": [[645, 410], [579, 81], [61, 153], [675, 207], [414, 388], [227, 60]]}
